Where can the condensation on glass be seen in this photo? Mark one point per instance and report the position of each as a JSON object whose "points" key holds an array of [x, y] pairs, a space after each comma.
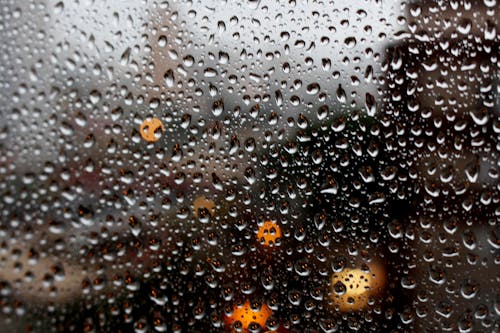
{"points": [[249, 166]]}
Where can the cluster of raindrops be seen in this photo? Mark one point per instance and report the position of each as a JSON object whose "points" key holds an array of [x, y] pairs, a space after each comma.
{"points": [[249, 166]]}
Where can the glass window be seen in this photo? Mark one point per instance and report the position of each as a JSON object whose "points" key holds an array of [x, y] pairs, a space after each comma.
{"points": [[249, 166]]}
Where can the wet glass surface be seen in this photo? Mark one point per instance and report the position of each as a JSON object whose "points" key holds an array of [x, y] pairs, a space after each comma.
{"points": [[249, 166]]}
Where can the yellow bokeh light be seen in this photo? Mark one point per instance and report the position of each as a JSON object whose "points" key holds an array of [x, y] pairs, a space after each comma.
{"points": [[151, 129], [352, 288], [268, 233], [246, 315], [203, 203]]}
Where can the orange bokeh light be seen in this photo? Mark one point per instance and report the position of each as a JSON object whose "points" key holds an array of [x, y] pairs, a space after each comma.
{"points": [[246, 315], [151, 129], [268, 233]]}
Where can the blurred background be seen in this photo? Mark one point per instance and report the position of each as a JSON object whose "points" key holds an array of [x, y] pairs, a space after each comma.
{"points": [[246, 166]]}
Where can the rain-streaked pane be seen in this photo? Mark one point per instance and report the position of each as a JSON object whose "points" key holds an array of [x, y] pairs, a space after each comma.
{"points": [[249, 166]]}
